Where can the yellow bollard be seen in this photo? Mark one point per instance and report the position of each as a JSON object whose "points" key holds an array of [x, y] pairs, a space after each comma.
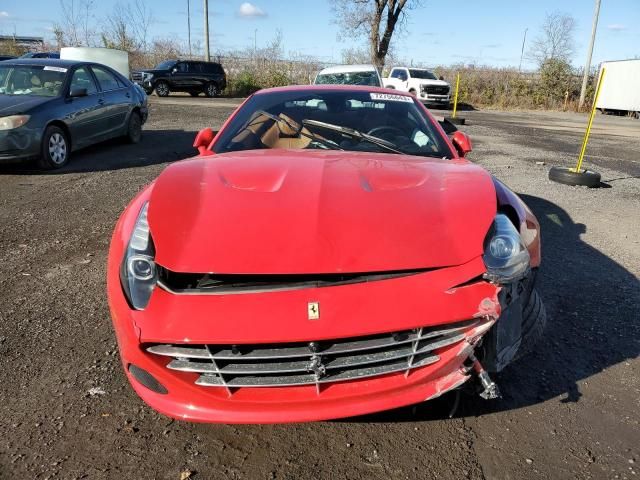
{"points": [[455, 98], [593, 112]]}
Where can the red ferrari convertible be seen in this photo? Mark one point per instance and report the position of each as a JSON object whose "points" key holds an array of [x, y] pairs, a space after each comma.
{"points": [[329, 253]]}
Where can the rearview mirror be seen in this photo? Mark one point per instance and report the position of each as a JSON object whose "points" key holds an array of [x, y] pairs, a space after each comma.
{"points": [[462, 142], [78, 92], [203, 140]]}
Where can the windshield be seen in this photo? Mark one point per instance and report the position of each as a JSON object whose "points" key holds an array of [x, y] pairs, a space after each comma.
{"points": [[166, 65], [349, 78], [36, 80], [342, 120], [424, 74]]}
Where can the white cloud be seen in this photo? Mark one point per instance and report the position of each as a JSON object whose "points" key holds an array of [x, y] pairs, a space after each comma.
{"points": [[616, 27], [250, 10], [4, 14]]}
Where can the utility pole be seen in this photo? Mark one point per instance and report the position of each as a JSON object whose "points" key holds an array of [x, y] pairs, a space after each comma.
{"points": [[522, 51], [207, 57], [189, 24], [255, 42], [587, 66]]}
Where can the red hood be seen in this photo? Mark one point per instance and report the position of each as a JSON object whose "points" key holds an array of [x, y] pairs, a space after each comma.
{"points": [[292, 211]]}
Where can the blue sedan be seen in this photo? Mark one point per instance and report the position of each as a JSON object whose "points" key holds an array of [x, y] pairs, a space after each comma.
{"points": [[50, 107]]}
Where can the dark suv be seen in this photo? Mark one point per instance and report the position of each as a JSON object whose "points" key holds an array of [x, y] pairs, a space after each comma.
{"points": [[182, 76]]}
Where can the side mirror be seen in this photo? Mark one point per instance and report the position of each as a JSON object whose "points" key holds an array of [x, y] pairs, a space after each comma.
{"points": [[441, 77], [462, 142], [203, 140], [78, 92]]}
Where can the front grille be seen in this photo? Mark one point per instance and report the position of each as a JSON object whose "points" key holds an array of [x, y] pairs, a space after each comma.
{"points": [[309, 363], [136, 76], [435, 89]]}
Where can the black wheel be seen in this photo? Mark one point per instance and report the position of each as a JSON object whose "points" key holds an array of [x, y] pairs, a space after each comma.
{"points": [[134, 129], [162, 89], [194, 94], [211, 90], [55, 148], [148, 91], [534, 321], [587, 178], [412, 92]]}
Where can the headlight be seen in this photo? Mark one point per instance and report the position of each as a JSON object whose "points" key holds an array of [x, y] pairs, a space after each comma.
{"points": [[505, 256], [138, 273], [13, 121], [147, 76]]}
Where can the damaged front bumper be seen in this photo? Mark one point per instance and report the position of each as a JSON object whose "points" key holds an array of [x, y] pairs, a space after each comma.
{"points": [[198, 389]]}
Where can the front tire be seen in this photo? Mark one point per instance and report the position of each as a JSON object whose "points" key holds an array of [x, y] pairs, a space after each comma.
{"points": [[134, 129], [55, 149], [162, 89], [211, 90], [534, 321]]}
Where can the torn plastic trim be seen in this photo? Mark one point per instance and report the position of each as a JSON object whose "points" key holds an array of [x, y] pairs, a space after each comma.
{"points": [[217, 284]]}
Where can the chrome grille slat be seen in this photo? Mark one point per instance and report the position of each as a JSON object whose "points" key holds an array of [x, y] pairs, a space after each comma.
{"points": [[286, 364], [311, 379], [303, 365], [328, 348]]}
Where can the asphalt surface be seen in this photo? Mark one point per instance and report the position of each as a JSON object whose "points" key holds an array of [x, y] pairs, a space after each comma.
{"points": [[570, 410]]}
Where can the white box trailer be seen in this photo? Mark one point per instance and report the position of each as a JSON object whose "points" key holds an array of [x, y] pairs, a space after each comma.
{"points": [[116, 59], [620, 91]]}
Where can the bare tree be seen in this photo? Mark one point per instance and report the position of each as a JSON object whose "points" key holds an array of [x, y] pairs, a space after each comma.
{"points": [[377, 19], [75, 27], [126, 27], [555, 40]]}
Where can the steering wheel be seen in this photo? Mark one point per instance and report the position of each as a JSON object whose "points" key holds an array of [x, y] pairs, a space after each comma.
{"points": [[386, 128]]}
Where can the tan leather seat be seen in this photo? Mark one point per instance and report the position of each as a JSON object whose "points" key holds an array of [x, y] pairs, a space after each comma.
{"points": [[281, 135]]}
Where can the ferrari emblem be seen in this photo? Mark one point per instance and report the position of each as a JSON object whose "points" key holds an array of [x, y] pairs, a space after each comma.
{"points": [[313, 310]]}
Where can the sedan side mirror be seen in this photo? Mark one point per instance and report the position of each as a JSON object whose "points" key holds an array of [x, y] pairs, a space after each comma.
{"points": [[78, 92], [462, 142], [203, 140]]}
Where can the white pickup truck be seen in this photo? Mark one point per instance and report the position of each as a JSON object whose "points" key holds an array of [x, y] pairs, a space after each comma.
{"points": [[421, 83]]}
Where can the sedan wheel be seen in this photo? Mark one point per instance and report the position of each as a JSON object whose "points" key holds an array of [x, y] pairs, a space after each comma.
{"points": [[55, 148], [134, 131]]}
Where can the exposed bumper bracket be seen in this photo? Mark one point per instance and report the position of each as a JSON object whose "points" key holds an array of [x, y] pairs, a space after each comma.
{"points": [[490, 390]]}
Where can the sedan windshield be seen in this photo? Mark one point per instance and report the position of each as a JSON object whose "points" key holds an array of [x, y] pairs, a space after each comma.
{"points": [[333, 120], [36, 80], [424, 74], [348, 78]]}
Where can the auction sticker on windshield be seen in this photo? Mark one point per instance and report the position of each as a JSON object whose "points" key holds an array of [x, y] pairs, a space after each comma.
{"points": [[391, 97]]}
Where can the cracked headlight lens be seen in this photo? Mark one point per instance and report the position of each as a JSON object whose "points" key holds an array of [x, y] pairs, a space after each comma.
{"points": [[505, 256]]}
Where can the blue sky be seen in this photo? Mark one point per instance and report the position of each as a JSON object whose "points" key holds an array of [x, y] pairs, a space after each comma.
{"points": [[439, 32]]}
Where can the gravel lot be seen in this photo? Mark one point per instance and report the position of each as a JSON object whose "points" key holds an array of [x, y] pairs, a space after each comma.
{"points": [[570, 410]]}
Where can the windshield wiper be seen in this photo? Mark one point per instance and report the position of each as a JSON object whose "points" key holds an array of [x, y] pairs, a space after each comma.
{"points": [[298, 129], [353, 133]]}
